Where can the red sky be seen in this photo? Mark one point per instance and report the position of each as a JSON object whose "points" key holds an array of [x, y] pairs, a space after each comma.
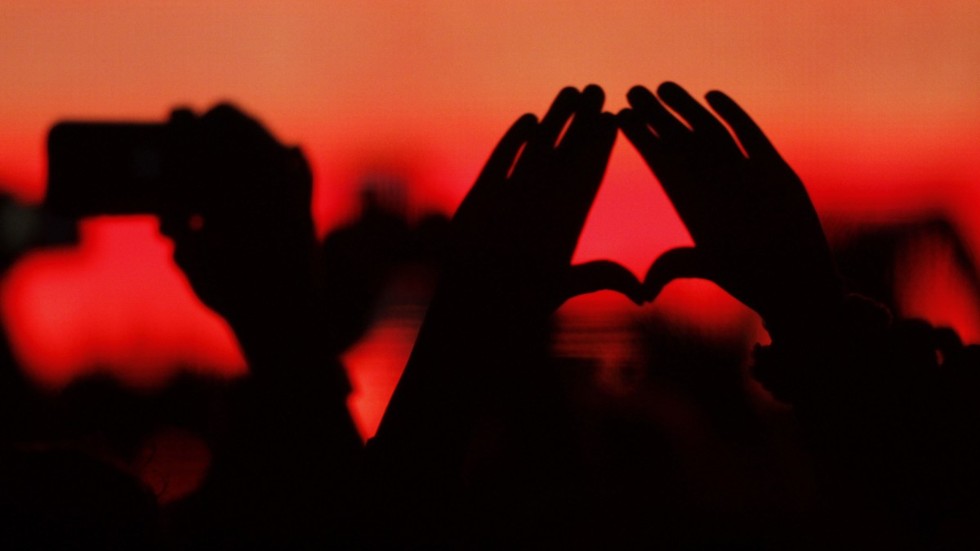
{"points": [[874, 102]]}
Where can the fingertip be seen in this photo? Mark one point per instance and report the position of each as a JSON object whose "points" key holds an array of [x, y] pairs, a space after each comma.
{"points": [[523, 126], [565, 103], [567, 93], [725, 106], [527, 119], [670, 88], [717, 98], [181, 114], [638, 93], [224, 117], [593, 93], [228, 114], [223, 109], [715, 95]]}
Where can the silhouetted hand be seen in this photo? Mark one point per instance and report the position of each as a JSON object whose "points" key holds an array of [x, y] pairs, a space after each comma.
{"points": [[244, 234], [755, 230], [508, 268], [516, 230]]}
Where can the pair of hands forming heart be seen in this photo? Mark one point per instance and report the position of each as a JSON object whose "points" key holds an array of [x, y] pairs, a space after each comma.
{"points": [[755, 230]]}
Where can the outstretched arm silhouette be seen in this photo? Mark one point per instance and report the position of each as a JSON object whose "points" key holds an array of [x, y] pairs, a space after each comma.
{"points": [[881, 402], [755, 231], [512, 242], [509, 267], [284, 471]]}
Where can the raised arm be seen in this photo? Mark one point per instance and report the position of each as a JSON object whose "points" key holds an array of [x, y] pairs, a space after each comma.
{"points": [[243, 236], [888, 407], [509, 268]]}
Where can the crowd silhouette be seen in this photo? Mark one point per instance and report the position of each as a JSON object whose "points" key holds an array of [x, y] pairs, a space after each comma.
{"points": [[491, 440]]}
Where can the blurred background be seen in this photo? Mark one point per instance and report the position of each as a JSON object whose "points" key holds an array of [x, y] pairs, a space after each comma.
{"points": [[874, 103]]}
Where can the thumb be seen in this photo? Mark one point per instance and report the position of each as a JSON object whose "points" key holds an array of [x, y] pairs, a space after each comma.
{"points": [[678, 263], [600, 275]]}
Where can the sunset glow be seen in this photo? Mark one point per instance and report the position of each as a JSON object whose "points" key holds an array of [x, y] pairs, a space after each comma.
{"points": [[874, 103]]}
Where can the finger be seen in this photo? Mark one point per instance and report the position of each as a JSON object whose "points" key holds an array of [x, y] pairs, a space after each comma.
{"points": [[181, 116], [601, 275], [233, 128], [700, 119], [229, 115], [647, 144], [563, 184], [553, 122], [563, 195], [652, 112], [582, 127], [588, 142], [673, 169], [501, 160], [753, 140], [592, 98], [582, 160], [679, 263], [581, 138], [505, 153], [233, 146], [587, 156]]}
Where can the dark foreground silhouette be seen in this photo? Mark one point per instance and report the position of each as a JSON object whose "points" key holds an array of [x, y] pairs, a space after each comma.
{"points": [[491, 439]]}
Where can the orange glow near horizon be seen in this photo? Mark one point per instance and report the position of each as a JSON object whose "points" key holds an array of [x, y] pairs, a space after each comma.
{"points": [[874, 104]]}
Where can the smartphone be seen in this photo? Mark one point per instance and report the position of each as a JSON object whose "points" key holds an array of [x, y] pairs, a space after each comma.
{"points": [[97, 168]]}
